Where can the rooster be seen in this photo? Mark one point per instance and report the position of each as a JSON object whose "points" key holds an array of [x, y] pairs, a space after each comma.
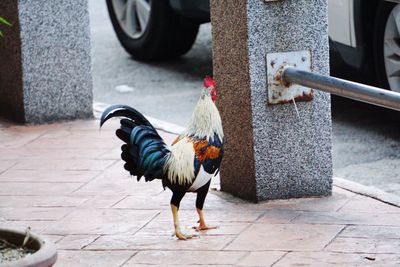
{"points": [[187, 165]]}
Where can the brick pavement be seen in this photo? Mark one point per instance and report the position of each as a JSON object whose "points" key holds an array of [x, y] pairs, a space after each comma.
{"points": [[66, 181]]}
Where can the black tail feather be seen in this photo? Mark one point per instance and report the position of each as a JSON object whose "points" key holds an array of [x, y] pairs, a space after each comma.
{"points": [[144, 151], [123, 111], [128, 123]]}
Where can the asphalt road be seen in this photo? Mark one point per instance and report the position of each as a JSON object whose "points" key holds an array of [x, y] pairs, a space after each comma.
{"points": [[366, 139]]}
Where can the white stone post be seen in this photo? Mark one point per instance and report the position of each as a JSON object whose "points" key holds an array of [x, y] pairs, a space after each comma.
{"points": [[45, 62]]}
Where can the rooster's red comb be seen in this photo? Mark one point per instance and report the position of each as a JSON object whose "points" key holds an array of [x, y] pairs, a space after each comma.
{"points": [[208, 82]]}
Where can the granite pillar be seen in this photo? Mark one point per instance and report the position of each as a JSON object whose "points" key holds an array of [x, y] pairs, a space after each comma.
{"points": [[45, 61], [271, 153]]}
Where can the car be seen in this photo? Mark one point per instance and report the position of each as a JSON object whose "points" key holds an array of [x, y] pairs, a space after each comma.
{"points": [[364, 35], [157, 29]]}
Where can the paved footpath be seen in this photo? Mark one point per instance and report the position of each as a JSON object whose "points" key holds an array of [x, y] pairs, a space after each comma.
{"points": [[66, 181]]}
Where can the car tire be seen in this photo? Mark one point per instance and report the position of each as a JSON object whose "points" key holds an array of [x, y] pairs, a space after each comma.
{"points": [[386, 47], [166, 35]]}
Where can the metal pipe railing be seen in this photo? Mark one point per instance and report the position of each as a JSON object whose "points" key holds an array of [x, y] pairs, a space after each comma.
{"points": [[356, 91]]}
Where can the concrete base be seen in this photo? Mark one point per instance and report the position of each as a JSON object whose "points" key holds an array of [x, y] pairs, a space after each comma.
{"points": [[45, 70], [270, 152]]}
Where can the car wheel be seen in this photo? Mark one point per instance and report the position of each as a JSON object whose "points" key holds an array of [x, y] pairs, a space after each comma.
{"points": [[387, 46], [150, 29]]}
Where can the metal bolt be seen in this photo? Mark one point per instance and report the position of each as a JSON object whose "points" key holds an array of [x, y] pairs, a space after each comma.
{"points": [[303, 59]]}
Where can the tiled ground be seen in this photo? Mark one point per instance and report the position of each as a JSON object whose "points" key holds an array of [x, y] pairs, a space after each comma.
{"points": [[66, 181]]}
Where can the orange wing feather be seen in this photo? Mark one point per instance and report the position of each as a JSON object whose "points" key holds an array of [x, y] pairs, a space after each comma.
{"points": [[205, 151]]}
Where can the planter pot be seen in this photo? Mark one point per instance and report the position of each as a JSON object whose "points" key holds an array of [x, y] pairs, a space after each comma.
{"points": [[45, 255]]}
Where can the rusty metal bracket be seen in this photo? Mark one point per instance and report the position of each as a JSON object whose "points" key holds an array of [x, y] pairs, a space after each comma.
{"points": [[279, 91]]}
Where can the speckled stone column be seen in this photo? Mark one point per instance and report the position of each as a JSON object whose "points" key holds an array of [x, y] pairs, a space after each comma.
{"points": [[270, 152], [45, 62]]}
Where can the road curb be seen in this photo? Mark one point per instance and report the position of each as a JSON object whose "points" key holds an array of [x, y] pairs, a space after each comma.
{"points": [[165, 126], [368, 191]]}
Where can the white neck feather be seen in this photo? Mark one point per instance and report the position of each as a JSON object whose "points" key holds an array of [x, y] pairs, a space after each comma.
{"points": [[205, 121]]}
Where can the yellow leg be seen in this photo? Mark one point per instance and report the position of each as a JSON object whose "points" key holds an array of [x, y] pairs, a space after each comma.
{"points": [[202, 224], [178, 232]]}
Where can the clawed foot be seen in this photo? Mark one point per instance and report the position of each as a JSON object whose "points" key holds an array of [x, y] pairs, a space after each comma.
{"points": [[181, 236], [204, 227]]}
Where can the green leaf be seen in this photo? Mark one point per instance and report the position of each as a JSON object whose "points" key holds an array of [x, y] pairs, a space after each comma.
{"points": [[1, 34], [4, 21]]}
